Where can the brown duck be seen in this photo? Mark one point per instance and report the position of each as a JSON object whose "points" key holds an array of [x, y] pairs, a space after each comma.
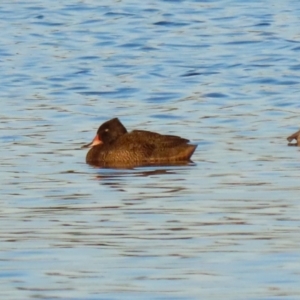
{"points": [[294, 136], [114, 145]]}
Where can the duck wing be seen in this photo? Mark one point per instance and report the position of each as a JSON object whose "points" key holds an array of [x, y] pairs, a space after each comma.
{"points": [[158, 140]]}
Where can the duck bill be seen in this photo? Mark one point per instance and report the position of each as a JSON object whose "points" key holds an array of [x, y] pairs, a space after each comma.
{"points": [[96, 141]]}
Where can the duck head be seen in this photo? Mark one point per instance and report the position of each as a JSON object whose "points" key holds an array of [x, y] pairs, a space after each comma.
{"points": [[108, 133]]}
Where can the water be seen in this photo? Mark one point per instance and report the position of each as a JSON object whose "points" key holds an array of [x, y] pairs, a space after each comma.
{"points": [[224, 74]]}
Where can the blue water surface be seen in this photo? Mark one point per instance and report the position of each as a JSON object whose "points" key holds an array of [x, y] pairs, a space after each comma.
{"points": [[224, 74]]}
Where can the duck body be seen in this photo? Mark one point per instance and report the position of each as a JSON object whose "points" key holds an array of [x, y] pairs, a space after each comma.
{"points": [[294, 136], [113, 145]]}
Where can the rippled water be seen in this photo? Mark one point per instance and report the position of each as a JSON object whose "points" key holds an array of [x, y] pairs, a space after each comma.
{"points": [[224, 74]]}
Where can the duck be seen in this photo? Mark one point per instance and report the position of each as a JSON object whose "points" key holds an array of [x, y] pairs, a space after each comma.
{"points": [[294, 136], [113, 144]]}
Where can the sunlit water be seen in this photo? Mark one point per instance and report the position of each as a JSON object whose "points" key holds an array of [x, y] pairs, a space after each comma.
{"points": [[224, 74]]}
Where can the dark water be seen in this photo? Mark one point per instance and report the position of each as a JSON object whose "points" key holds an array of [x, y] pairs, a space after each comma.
{"points": [[224, 74]]}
